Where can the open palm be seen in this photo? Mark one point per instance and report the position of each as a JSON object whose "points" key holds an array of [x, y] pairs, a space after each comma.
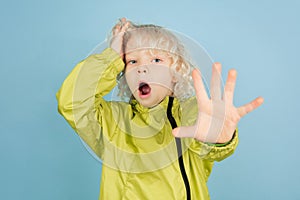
{"points": [[217, 116]]}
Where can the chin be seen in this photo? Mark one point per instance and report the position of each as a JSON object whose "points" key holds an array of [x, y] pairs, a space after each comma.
{"points": [[150, 103]]}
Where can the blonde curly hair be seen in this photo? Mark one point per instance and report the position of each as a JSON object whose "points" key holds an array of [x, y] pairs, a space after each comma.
{"points": [[159, 38]]}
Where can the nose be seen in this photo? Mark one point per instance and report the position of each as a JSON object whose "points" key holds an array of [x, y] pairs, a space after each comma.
{"points": [[142, 69]]}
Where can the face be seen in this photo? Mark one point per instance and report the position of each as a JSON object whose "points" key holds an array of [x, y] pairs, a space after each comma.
{"points": [[148, 75]]}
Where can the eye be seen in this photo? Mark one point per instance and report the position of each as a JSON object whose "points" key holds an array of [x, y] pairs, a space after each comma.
{"points": [[156, 60], [131, 62]]}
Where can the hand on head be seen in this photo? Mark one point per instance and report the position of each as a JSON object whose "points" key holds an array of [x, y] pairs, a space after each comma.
{"points": [[118, 31]]}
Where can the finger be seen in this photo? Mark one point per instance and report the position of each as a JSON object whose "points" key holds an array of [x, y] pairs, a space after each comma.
{"points": [[199, 87], [230, 86], [116, 29], [125, 26], [243, 110], [184, 132], [123, 23], [123, 20], [215, 84]]}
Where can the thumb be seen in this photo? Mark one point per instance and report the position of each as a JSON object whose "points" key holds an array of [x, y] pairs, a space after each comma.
{"points": [[184, 132]]}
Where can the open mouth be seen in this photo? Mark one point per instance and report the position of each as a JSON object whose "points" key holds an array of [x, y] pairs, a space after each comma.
{"points": [[144, 89]]}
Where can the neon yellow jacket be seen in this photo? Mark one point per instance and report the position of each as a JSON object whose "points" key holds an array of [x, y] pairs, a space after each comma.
{"points": [[138, 150]]}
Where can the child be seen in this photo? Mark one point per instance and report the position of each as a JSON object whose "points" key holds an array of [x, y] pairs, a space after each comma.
{"points": [[163, 142]]}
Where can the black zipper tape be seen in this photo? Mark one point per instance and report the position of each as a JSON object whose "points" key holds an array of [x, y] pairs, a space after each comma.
{"points": [[179, 150]]}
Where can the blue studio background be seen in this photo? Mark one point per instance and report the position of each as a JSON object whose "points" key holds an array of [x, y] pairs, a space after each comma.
{"points": [[41, 41]]}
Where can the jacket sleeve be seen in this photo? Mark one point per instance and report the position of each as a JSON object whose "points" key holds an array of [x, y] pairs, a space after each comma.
{"points": [[208, 151], [80, 98], [214, 152]]}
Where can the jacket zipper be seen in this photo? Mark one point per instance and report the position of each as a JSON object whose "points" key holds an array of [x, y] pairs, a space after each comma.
{"points": [[179, 150]]}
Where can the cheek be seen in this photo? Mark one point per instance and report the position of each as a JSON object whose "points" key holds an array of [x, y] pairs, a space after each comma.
{"points": [[131, 80], [162, 76]]}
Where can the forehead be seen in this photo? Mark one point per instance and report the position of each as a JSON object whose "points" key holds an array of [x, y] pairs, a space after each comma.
{"points": [[147, 52], [138, 42]]}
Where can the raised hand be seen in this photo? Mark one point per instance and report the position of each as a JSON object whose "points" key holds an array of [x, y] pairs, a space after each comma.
{"points": [[117, 35], [217, 116]]}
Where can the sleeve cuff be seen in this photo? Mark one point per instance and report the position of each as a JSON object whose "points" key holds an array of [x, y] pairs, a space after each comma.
{"points": [[223, 144], [113, 56]]}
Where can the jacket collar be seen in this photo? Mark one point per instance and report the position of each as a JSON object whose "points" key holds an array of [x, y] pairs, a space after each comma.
{"points": [[137, 107]]}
